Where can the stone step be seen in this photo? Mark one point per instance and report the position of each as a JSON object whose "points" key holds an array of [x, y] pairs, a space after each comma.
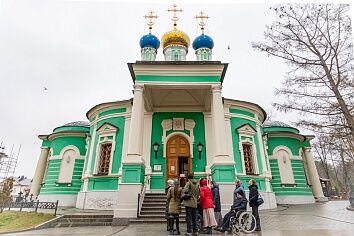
{"points": [[160, 204], [143, 220], [155, 200], [80, 224], [85, 220], [157, 209], [88, 216], [162, 213]]}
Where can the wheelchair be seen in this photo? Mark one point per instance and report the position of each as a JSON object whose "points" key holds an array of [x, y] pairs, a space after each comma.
{"points": [[242, 221]]}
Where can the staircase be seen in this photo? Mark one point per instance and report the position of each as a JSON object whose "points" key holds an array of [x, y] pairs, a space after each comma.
{"points": [[78, 220], [153, 209]]}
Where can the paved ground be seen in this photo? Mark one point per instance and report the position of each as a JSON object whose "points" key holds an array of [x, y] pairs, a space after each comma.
{"points": [[315, 220]]}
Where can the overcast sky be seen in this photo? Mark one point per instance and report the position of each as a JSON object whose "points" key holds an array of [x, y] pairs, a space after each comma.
{"points": [[79, 50]]}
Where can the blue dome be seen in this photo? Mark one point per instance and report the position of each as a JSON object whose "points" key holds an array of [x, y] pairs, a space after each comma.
{"points": [[149, 40], [203, 41]]}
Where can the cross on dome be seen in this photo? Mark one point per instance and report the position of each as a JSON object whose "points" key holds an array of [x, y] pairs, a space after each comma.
{"points": [[200, 18], [150, 18], [174, 17]]}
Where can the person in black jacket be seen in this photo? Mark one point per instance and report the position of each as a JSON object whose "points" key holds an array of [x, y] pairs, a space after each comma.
{"points": [[253, 197], [240, 204], [217, 202]]}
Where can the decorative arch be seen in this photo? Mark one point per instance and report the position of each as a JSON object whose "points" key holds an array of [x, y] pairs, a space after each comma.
{"points": [[184, 135], [283, 155], [73, 147]]}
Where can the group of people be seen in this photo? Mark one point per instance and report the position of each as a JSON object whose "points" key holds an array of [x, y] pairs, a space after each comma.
{"points": [[196, 195]]}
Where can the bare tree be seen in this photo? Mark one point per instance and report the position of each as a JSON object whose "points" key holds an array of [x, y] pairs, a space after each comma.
{"points": [[315, 40]]}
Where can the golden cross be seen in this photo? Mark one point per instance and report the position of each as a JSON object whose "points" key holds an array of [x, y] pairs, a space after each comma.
{"points": [[201, 19], [150, 17], [174, 17]]}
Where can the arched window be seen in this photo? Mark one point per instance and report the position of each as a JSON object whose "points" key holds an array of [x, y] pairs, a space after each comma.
{"points": [[285, 169], [67, 166]]}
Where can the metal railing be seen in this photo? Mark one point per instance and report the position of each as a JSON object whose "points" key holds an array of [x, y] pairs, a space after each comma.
{"points": [[141, 195], [32, 204]]}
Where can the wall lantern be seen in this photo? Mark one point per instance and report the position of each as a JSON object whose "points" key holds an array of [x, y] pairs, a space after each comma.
{"points": [[156, 148], [200, 149]]}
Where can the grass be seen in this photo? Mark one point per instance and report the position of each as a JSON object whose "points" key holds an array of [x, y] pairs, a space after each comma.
{"points": [[20, 220]]}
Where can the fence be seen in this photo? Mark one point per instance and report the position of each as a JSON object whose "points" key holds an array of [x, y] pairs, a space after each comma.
{"points": [[32, 204]]}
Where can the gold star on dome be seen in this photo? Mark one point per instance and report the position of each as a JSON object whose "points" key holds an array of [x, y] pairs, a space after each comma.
{"points": [[151, 16], [174, 17], [200, 18]]}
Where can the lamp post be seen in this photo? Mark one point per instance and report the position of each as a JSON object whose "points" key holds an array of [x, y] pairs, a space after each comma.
{"points": [[200, 149], [156, 148]]}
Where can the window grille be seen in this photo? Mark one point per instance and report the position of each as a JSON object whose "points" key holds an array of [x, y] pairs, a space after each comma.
{"points": [[105, 156], [248, 158]]}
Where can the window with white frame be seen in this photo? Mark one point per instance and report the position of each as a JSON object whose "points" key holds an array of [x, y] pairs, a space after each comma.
{"points": [[105, 148], [247, 149]]}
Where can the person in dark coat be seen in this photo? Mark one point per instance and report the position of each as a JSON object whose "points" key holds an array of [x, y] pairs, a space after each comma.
{"points": [[240, 204], [253, 197], [191, 205], [217, 202], [238, 187]]}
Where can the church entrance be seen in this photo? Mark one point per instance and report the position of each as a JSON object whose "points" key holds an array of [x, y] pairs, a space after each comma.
{"points": [[178, 161]]}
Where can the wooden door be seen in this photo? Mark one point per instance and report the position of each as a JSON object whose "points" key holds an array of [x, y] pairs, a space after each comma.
{"points": [[177, 146]]}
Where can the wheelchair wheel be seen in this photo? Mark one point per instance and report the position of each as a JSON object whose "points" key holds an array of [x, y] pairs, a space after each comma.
{"points": [[199, 222], [247, 222], [234, 225]]}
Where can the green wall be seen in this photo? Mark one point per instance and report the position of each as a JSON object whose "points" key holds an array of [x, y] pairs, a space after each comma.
{"points": [[293, 144], [105, 183], [300, 179], [61, 142], [58, 144], [157, 132], [301, 187], [51, 187]]}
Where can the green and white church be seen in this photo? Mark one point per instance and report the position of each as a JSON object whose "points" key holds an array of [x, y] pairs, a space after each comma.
{"points": [[176, 123]]}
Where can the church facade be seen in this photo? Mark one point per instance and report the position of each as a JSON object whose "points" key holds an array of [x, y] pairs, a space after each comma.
{"points": [[177, 123]]}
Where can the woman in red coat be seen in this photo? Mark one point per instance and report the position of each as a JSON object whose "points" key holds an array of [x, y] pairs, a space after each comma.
{"points": [[206, 201]]}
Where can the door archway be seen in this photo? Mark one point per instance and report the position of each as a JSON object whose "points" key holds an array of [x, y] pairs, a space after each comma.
{"points": [[178, 158]]}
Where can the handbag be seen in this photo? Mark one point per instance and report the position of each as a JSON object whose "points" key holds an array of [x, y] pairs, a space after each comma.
{"points": [[260, 200], [185, 196]]}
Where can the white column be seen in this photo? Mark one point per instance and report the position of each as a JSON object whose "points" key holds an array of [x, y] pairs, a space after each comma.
{"points": [[218, 123], [209, 151], [40, 170], [135, 145], [313, 176]]}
